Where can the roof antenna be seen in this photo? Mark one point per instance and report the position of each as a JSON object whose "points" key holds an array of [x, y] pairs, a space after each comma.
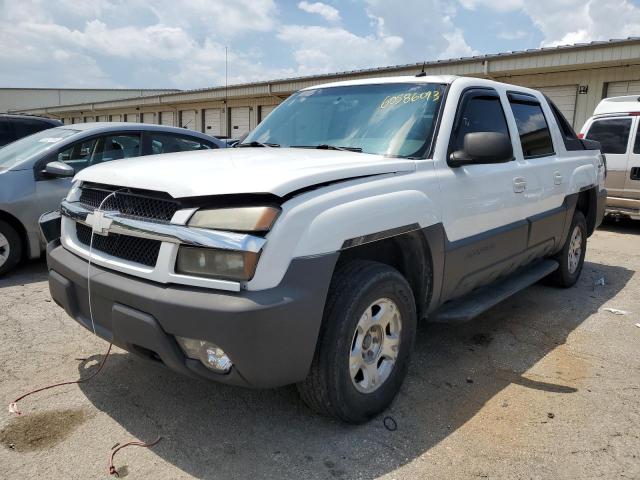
{"points": [[422, 72], [226, 74]]}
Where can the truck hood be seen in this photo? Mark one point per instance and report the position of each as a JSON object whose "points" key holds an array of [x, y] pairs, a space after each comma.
{"points": [[241, 170]]}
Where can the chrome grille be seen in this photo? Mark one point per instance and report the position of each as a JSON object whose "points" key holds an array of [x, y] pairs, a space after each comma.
{"points": [[128, 202], [133, 249]]}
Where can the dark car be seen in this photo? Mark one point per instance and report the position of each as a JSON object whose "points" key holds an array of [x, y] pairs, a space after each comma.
{"points": [[14, 127]]}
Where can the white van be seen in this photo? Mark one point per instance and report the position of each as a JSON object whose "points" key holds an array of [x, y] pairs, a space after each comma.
{"points": [[615, 124]]}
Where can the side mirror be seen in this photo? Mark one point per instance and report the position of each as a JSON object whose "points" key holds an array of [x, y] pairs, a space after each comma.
{"points": [[483, 147], [59, 169]]}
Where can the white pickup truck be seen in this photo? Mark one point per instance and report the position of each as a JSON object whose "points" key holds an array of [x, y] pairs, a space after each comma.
{"points": [[308, 254]]}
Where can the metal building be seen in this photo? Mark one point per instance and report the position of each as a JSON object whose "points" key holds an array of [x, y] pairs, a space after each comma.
{"points": [[17, 99], [575, 77]]}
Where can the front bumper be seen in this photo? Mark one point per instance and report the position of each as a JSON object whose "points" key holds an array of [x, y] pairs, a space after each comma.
{"points": [[269, 335]]}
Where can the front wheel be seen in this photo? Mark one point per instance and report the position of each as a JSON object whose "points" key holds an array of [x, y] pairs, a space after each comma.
{"points": [[365, 343], [571, 257]]}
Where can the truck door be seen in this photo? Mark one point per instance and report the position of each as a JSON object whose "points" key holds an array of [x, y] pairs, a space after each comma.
{"points": [[482, 203], [546, 169], [632, 182]]}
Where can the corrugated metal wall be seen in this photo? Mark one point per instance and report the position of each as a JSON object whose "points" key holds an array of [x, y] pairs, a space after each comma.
{"points": [[576, 92], [596, 80]]}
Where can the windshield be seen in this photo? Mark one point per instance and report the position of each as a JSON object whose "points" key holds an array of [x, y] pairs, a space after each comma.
{"points": [[23, 149], [393, 119]]}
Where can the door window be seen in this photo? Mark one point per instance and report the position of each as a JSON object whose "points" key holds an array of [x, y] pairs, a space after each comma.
{"points": [[612, 133], [535, 136], [79, 154], [479, 113], [117, 147], [167, 143], [636, 146]]}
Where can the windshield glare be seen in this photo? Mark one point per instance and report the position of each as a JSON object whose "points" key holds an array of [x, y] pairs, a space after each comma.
{"points": [[393, 119], [25, 148]]}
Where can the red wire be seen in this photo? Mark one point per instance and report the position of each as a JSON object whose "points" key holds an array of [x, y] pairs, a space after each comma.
{"points": [[13, 406], [135, 443]]}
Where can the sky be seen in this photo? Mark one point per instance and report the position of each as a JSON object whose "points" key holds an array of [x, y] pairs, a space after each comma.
{"points": [[181, 43]]}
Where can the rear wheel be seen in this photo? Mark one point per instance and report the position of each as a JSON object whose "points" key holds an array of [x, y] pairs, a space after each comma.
{"points": [[571, 257], [365, 343], [10, 247]]}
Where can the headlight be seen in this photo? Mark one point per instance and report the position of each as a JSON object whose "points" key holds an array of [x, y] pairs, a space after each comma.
{"points": [[214, 263], [240, 219]]}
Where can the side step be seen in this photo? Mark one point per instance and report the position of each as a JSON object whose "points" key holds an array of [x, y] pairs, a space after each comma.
{"points": [[473, 304]]}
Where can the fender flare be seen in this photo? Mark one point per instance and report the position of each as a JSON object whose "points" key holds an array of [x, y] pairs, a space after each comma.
{"points": [[331, 228]]}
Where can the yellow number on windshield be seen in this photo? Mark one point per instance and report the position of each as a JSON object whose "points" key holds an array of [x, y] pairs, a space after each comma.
{"points": [[403, 98]]}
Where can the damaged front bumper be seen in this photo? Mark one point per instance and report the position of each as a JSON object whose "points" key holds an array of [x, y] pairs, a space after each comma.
{"points": [[270, 335]]}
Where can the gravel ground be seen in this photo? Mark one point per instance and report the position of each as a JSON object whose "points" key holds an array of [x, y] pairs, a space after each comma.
{"points": [[545, 385]]}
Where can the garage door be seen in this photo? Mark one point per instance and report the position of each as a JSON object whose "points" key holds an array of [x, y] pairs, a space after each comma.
{"points": [[239, 121], [213, 121], [166, 118], [619, 89], [149, 117], [265, 110], [565, 99], [188, 119], [103, 118], [116, 118], [132, 117]]}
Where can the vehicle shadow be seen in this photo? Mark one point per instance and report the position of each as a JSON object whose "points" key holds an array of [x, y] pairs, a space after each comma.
{"points": [[31, 271], [620, 225], [217, 432]]}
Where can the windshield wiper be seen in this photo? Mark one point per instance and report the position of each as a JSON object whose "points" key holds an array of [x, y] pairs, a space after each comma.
{"points": [[325, 146], [257, 144]]}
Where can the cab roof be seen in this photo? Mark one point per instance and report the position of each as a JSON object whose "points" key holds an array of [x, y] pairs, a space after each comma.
{"points": [[393, 79]]}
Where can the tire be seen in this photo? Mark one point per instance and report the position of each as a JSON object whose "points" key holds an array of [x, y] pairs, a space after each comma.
{"points": [[571, 262], [331, 388], [10, 247]]}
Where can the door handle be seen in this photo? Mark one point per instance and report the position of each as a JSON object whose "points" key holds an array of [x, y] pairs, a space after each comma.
{"points": [[557, 178], [519, 184]]}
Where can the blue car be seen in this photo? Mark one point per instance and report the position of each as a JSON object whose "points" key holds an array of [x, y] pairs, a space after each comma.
{"points": [[36, 172]]}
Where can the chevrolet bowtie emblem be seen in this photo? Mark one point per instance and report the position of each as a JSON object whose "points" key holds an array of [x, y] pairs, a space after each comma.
{"points": [[99, 223]]}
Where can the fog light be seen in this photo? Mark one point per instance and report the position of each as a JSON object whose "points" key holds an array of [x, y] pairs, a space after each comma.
{"points": [[209, 354]]}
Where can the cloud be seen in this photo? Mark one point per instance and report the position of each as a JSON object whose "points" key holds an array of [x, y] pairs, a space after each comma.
{"points": [[572, 21], [326, 11], [501, 6], [457, 46], [164, 43], [515, 35], [133, 44], [398, 36], [331, 49], [425, 36]]}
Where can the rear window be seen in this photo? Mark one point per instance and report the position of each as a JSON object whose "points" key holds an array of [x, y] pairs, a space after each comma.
{"points": [[169, 143], [612, 133], [27, 126], [6, 132]]}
